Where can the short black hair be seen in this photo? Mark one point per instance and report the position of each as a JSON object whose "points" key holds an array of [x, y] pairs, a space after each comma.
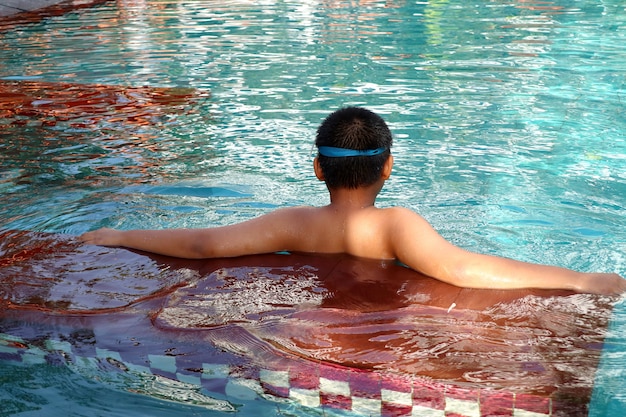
{"points": [[353, 128]]}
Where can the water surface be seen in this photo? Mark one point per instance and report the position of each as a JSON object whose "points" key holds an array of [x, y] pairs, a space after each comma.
{"points": [[507, 116]]}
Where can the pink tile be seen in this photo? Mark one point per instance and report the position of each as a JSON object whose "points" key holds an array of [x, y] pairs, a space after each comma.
{"points": [[365, 384], [335, 401], [395, 410], [534, 403], [304, 377], [496, 403], [428, 396]]}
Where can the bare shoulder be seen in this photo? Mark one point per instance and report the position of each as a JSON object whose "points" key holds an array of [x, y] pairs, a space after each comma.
{"points": [[292, 213], [403, 217], [290, 220], [409, 230]]}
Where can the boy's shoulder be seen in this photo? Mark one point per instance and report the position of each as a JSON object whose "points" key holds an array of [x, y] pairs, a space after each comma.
{"points": [[403, 220], [399, 212]]}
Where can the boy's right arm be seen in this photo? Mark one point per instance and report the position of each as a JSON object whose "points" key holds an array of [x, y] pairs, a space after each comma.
{"points": [[182, 243], [420, 247], [265, 234]]}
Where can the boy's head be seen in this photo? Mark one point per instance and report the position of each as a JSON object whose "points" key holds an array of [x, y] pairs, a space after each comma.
{"points": [[361, 135]]}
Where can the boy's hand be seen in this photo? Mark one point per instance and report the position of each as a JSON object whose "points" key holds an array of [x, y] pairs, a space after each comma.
{"points": [[102, 237], [604, 284]]}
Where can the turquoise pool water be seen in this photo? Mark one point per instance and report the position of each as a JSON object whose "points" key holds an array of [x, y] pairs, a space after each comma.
{"points": [[508, 117]]}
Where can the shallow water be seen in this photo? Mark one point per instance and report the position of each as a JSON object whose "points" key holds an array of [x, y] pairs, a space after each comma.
{"points": [[508, 123]]}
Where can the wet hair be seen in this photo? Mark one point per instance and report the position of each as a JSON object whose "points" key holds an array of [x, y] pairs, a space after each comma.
{"points": [[353, 128]]}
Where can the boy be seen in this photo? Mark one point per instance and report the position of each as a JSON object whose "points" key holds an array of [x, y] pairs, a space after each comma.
{"points": [[355, 161]]}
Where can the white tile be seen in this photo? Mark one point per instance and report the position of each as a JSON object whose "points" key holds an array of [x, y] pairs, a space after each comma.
{"points": [[163, 363], [275, 378], [367, 406], [397, 397], [463, 407], [331, 386], [306, 397], [212, 370], [525, 413], [421, 411]]}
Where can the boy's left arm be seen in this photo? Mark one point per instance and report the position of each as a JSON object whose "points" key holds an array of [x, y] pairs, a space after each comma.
{"points": [[419, 246]]}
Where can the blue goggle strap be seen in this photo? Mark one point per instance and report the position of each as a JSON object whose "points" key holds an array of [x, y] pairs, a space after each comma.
{"points": [[332, 152]]}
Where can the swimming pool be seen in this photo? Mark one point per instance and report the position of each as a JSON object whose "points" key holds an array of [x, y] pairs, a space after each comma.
{"points": [[508, 121]]}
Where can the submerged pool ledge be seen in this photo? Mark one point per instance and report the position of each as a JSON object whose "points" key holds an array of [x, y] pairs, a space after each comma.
{"points": [[331, 332]]}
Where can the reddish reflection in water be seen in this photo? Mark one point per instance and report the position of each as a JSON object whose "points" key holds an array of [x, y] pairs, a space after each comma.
{"points": [[93, 131], [85, 105], [358, 314], [10, 22]]}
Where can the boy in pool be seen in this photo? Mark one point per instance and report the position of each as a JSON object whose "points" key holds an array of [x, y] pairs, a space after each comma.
{"points": [[355, 161]]}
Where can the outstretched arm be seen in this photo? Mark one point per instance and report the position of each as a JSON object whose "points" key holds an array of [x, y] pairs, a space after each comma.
{"points": [[264, 234], [419, 246]]}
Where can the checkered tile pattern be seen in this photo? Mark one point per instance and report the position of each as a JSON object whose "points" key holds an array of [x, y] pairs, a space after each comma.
{"points": [[316, 385], [376, 394]]}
